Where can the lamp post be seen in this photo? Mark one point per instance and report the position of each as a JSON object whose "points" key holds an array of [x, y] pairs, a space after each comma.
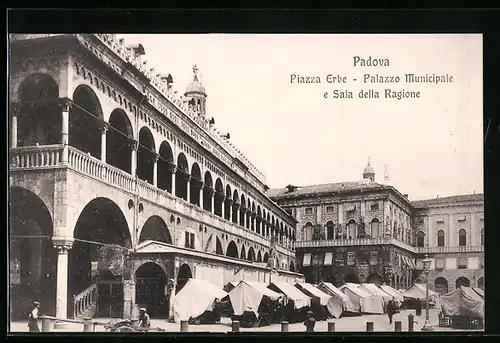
{"points": [[426, 264]]}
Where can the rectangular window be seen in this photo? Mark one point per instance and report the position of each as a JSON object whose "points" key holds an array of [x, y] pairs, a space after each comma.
{"points": [[440, 263], [420, 220], [440, 240], [307, 260], [351, 258], [462, 219], [309, 210], [329, 209], [374, 258], [462, 263], [191, 241], [328, 259], [186, 239], [374, 207]]}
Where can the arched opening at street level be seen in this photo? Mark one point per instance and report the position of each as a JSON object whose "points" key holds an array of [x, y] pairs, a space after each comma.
{"points": [[146, 155], [181, 177], [232, 250], [441, 285], [120, 141], [208, 192], [195, 184], [98, 255], [165, 163], [251, 254], [150, 286], [183, 276], [32, 257], [218, 197], [462, 281], [155, 229], [375, 278], [39, 114], [86, 121]]}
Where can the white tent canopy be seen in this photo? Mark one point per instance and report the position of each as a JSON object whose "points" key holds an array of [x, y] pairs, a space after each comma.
{"points": [[338, 302], [313, 292], [247, 296], [417, 291], [359, 300], [372, 289], [300, 300], [393, 292], [196, 297]]}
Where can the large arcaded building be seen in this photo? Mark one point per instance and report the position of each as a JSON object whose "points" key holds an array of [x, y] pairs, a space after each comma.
{"points": [[365, 231], [121, 190]]}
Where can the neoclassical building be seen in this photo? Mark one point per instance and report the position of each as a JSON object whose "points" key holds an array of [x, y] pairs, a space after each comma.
{"points": [[121, 189], [365, 231]]}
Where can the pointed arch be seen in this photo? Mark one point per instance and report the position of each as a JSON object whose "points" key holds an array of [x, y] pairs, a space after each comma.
{"points": [[195, 184], [146, 155], [181, 177], [232, 250], [218, 197], [243, 254], [165, 164], [227, 202], [251, 254], [259, 257], [207, 191], [119, 141]]}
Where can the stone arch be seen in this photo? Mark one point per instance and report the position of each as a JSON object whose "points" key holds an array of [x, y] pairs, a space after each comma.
{"points": [[441, 285], [33, 260], [375, 228], [218, 197], [183, 275], [236, 205], [207, 191], [195, 184], [232, 250], [120, 141], [243, 208], [259, 257], [375, 278], [146, 155], [252, 220], [258, 220], [308, 231], [165, 164], [155, 229], [265, 258], [39, 118], [441, 236], [420, 239], [243, 254], [181, 176], [462, 281], [462, 237], [101, 236], [150, 283], [86, 121], [292, 266], [227, 202], [251, 254], [218, 246], [330, 230]]}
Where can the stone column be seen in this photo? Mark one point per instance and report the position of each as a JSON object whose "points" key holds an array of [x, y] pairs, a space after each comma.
{"points": [[212, 199], [155, 169], [14, 110], [104, 130], [129, 310], [252, 222], [65, 104], [243, 218], [62, 244], [236, 213], [222, 199], [188, 187], [229, 209], [133, 167], [173, 169], [201, 195]]}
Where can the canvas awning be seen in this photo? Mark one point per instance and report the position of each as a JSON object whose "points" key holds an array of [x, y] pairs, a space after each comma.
{"points": [[374, 290], [361, 301], [307, 259], [196, 297], [417, 291], [313, 292], [338, 303], [328, 259], [463, 301], [393, 292], [479, 291], [300, 299], [247, 296]]}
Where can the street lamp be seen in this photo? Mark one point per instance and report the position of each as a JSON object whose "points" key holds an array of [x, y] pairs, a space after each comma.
{"points": [[427, 264]]}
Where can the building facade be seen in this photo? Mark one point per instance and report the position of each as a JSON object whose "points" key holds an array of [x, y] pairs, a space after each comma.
{"points": [[121, 189], [369, 232]]}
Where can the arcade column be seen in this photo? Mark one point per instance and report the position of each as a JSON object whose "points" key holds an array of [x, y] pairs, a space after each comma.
{"points": [[62, 244], [129, 306]]}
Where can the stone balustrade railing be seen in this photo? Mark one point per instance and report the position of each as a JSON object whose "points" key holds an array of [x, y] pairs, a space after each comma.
{"points": [[50, 156], [83, 300], [449, 250], [353, 242]]}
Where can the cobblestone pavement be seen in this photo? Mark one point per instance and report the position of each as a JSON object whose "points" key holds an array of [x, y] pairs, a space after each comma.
{"points": [[345, 324]]}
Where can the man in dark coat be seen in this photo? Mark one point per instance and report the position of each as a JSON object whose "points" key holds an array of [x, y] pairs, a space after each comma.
{"points": [[310, 322], [33, 317], [391, 309], [418, 307]]}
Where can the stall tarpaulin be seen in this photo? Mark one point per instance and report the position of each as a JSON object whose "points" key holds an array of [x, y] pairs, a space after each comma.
{"points": [[230, 285], [393, 292], [196, 297], [313, 292], [300, 300], [247, 296], [463, 301], [417, 291], [479, 291], [361, 301], [372, 289], [338, 302]]}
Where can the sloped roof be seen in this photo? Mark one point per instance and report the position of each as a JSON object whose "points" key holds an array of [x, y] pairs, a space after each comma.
{"points": [[325, 188], [451, 200]]}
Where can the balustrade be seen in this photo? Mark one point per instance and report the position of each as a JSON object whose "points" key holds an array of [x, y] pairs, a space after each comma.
{"points": [[44, 156], [84, 300], [446, 250], [351, 242]]}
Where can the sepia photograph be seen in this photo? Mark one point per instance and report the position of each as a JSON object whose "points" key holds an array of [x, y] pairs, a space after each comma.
{"points": [[245, 183]]}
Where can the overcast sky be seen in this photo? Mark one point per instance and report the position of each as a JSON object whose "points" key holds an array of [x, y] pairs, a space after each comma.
{"points": [[432, 145]]}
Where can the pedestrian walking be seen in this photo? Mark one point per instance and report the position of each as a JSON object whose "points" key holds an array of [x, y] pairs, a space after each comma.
{"points": [[310, 322], [33, 317], [390, 310]]}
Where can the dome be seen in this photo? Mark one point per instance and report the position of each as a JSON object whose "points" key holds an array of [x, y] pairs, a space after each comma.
{"points": [[195, 86], [369, 169]]}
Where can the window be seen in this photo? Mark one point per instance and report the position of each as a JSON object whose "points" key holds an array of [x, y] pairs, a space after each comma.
{"points": [[330, 229], [420, 220], [351, 229], [482, 236], [462, 263], [374, 207], [308, 232], [440, 238], [351, 258], [462, 238], [329, 209], [420, 239], [189, 240], [309, 210], [440, 263], [374, 227]]}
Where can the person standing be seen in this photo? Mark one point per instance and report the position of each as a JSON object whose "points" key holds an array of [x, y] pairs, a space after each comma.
{"points": [[310, 322], [33, 317], [390, 310]]}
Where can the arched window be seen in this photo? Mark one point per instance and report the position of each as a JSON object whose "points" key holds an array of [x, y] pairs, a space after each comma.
{"points": [[308, 232], [462, 238], [482, 236], [329, 230], [440, 236], [374, 228], [351, 229], [420, 239]]}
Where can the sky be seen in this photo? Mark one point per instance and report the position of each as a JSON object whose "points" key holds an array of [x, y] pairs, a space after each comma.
{"points": [[432, 146]]}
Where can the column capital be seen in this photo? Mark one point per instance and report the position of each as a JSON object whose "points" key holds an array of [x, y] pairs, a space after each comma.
{"points": [[229, 201], [209, 189], [254, 214], [172, 167], [155, 158], [236, 204], [133, 144], [104, 127], [63, 244], [65, 104]]}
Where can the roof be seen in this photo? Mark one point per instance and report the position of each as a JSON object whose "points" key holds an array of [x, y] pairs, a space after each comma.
{"points": [[195, 86], [369, 169], [449, 200], [313, 291], [325, 188]]}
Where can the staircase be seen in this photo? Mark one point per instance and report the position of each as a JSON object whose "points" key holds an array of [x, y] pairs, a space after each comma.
{"points": [[85, 302]]}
